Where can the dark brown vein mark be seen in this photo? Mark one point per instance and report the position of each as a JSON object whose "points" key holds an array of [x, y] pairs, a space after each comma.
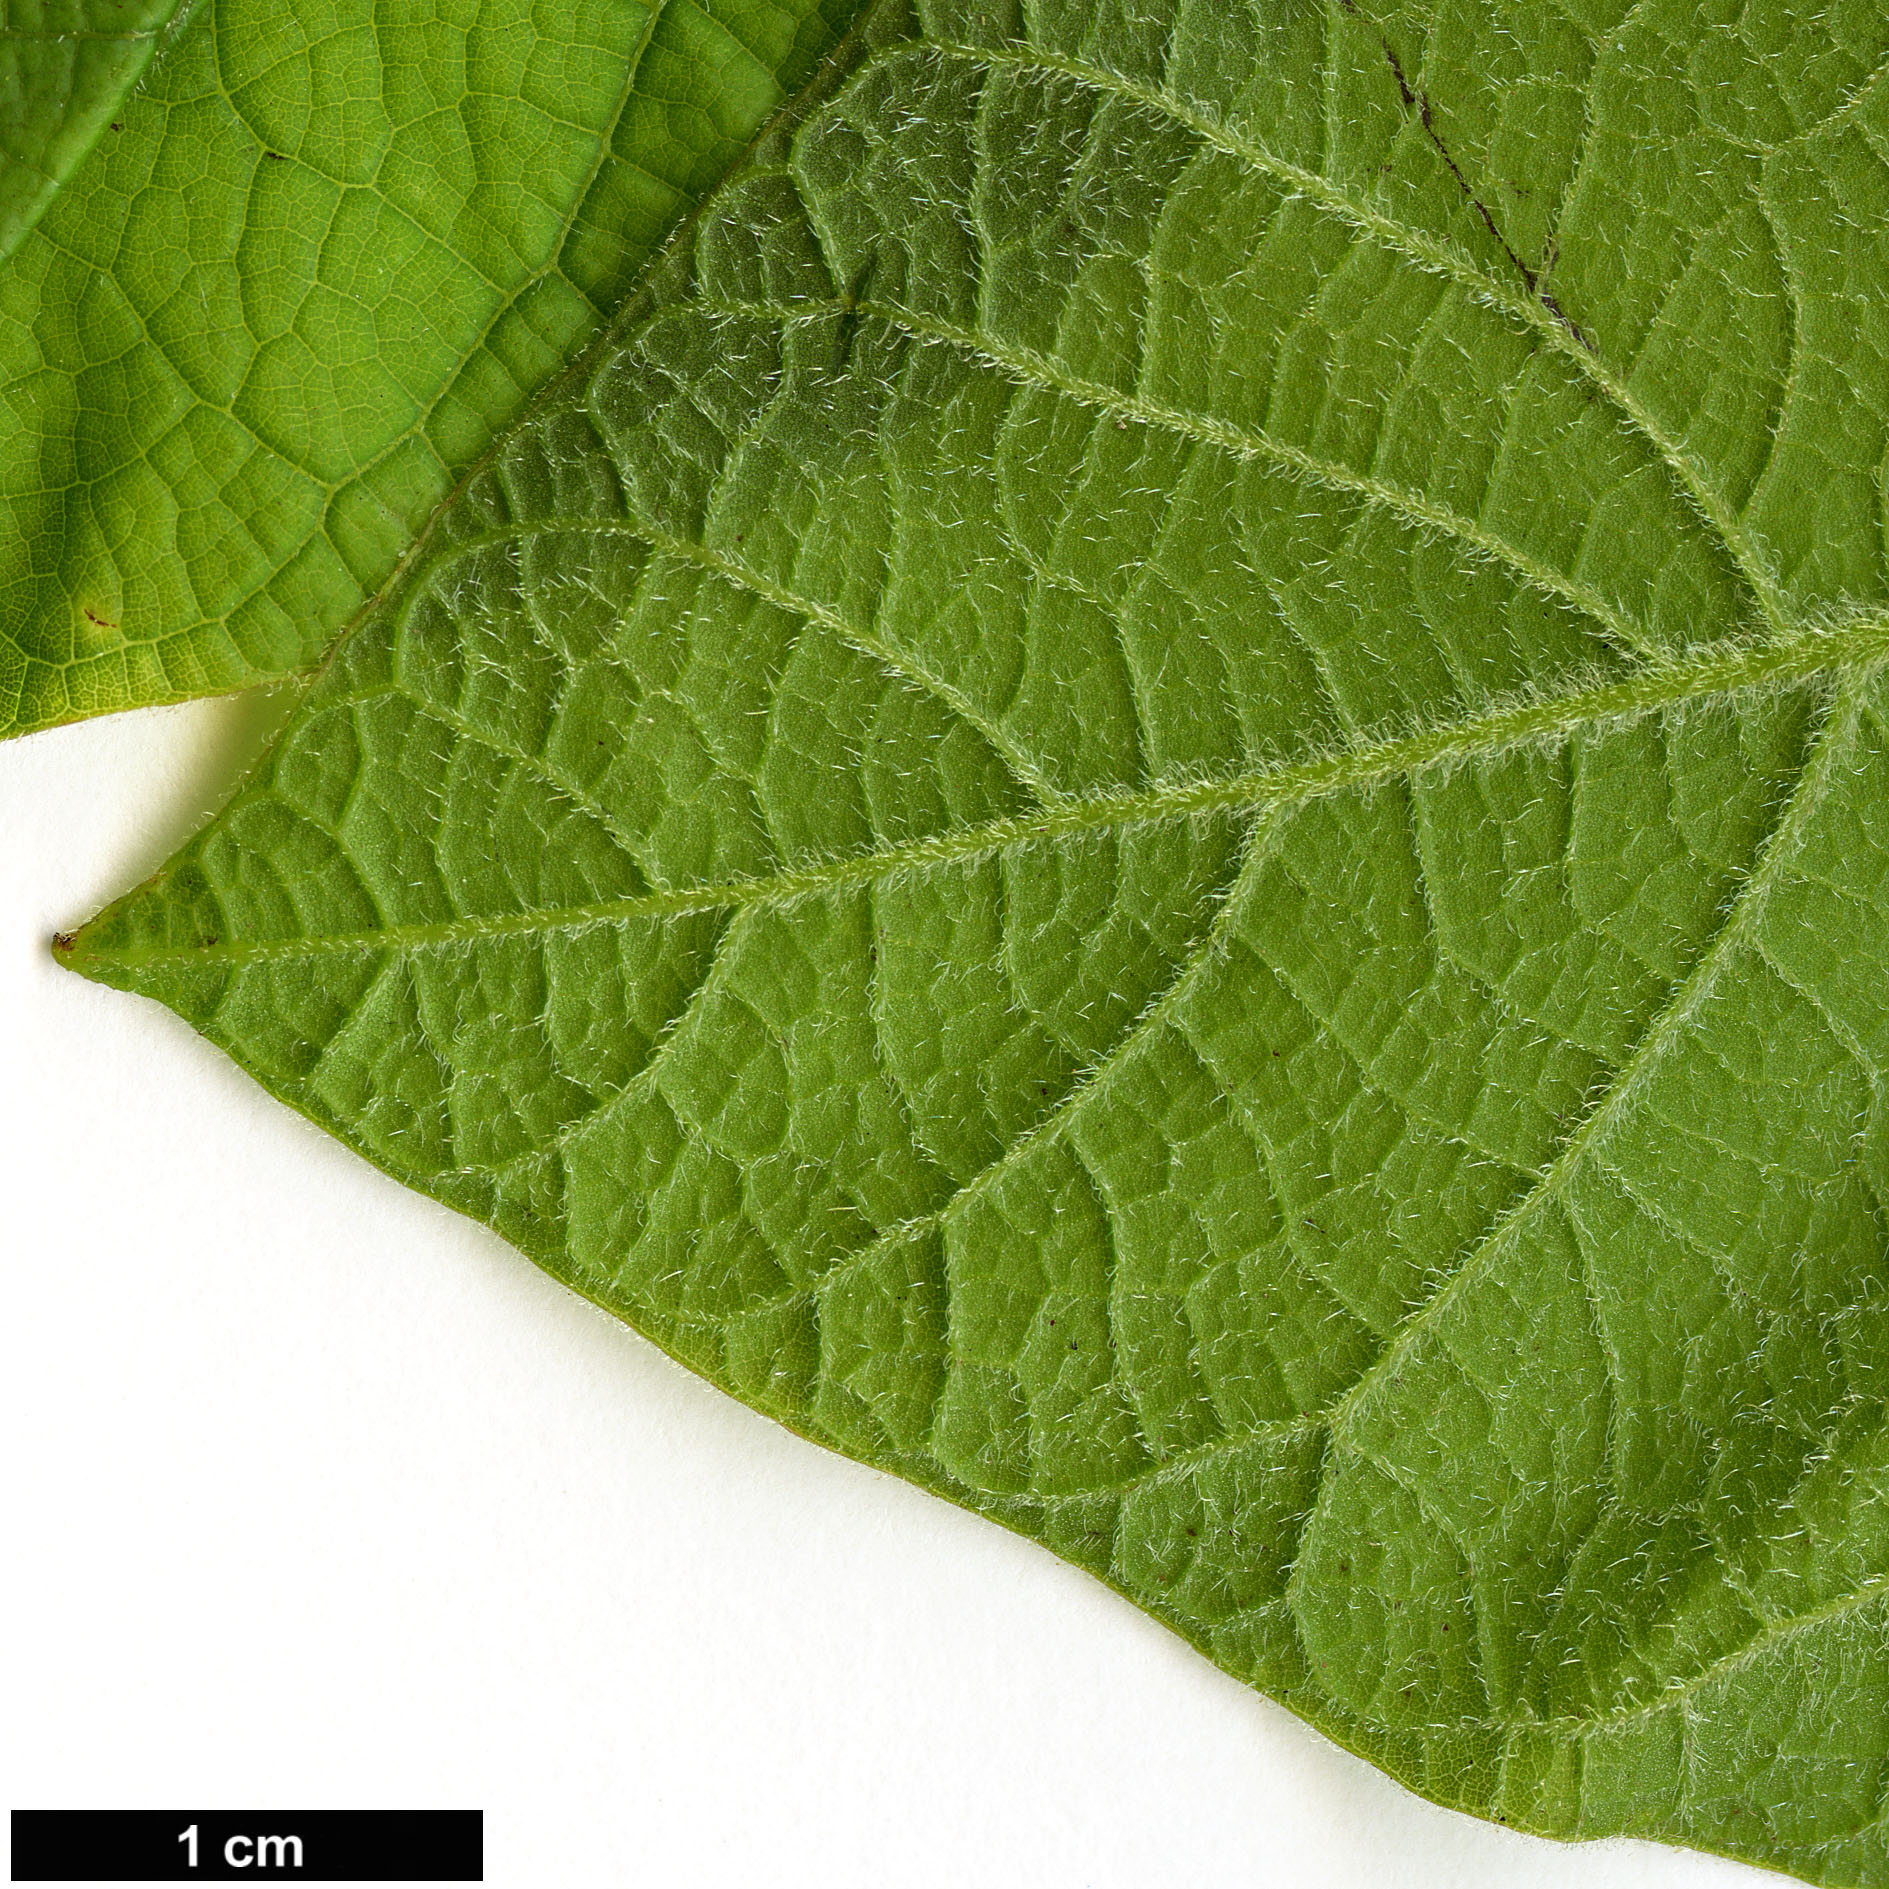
{"points": [[851, 307], [1419, 102]]}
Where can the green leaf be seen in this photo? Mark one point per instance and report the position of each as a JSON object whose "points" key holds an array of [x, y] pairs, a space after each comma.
{"points": [[65, 67], [328, 253], [1167, 802]]}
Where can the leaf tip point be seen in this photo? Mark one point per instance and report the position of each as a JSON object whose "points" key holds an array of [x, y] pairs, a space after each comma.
{"points": [[69, 949]]}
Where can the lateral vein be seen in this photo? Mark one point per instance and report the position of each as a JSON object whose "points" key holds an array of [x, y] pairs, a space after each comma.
{"points": [[1438, 257], [1030, 369]]}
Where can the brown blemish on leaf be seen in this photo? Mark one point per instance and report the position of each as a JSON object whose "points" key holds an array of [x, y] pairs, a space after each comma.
{"points": [[1419, 102]]}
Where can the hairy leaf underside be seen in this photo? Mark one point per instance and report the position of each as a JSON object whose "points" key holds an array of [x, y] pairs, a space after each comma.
{"points": [[1166, 800]]}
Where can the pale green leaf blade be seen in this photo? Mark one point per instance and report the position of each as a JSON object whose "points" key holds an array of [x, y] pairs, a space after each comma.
{"points": [[329, 253], [65, 67], [1138, 814]]}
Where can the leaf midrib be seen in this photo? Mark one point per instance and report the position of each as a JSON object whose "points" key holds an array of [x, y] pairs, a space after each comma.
{"points": [[1775, 664], [1334, 1416]]}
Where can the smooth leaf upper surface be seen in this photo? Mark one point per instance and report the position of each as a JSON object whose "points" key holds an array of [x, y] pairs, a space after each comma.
{"points": [[1169, 803], [65, 67], [327, 254]]}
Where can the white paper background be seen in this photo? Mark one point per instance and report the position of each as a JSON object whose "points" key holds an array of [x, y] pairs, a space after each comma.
{"points": [[321, 1496]]}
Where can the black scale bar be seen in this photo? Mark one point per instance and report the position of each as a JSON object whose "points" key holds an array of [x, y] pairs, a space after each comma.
{"points": [[390, 1846]]}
